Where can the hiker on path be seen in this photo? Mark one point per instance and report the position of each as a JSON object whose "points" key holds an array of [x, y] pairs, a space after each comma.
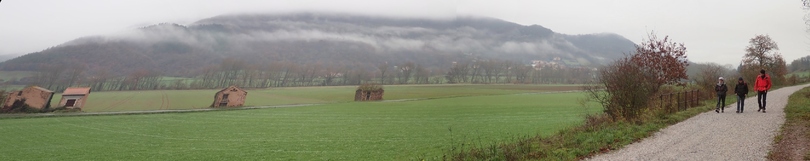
{"points": [[741, 89], [721, 90], [762, 85]]}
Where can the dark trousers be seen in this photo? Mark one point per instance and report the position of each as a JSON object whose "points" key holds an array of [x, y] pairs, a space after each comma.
{"points": [[761, 96], [721, 102], [740, 103]]}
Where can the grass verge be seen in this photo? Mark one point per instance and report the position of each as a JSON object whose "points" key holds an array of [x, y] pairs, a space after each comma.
{"points": [[793, 140], [597, 135]]}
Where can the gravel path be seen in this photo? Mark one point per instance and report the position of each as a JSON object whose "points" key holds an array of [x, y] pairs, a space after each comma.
{"points": [[713, 136]]}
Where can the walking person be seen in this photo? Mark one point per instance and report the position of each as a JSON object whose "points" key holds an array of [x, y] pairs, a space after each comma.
{"points": [[721, 90], [762, 85], [741, 89]]}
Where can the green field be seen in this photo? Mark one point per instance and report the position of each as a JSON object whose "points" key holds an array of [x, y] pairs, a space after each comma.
{"points": [[191, 99], [464, 115], [799, 74], [9, 76], [14, 75]]}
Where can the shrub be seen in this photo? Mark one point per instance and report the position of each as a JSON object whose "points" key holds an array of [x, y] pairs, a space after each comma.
{"points": [[626, 86]]}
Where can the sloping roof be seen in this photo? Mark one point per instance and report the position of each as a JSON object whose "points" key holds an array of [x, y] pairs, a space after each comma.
{"points": [[232, 87], [41, 89], [76, 91]]}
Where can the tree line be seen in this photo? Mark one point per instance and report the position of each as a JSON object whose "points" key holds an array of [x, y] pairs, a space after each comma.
{"points": [[231, 71]]}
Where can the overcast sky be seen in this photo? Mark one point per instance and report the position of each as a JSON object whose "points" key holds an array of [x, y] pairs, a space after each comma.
{"points": [[713, 31]]}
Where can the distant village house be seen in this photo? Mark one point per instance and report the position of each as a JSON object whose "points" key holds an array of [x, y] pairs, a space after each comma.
{"points": [[34, 97], [74, 97], [230, 97]]}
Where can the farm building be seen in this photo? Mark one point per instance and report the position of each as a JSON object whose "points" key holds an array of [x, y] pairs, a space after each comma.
{"points": [[33, 96], [369, 92], [74, 97], [232, 96]]}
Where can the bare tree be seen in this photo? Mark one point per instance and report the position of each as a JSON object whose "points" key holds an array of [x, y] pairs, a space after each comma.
{"points": [[458, 72], [405, 71], [330, 74], [421, 75], [708, 75], [49, 75], [806, 7], [522, 73], [489, 70], [762, 53], [383, 69], [779, 69], [760, 50]]}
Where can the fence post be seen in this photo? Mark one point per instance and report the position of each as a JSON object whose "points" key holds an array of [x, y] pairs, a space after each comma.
{"points": [[678, 100], [688, 103], [669, 102], [683, 101], [695, 99], [689, 98], [698, 95]]}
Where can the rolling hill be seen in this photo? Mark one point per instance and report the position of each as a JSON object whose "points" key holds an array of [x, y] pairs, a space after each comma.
{"points": [[327, 39]]}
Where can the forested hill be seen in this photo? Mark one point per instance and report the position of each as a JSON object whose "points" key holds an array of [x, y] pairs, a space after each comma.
{"points": [[329, 40]]}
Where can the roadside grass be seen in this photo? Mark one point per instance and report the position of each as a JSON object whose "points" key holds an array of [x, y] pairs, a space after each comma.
{"points": [[402, 130], [598, 134], [793, 140]]}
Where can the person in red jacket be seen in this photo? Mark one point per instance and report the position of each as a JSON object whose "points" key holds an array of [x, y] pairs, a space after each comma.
{"points": [[762, 85]]}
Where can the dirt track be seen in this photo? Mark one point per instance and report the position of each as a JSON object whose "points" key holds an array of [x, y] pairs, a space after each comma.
{"points": [[713, 136]]}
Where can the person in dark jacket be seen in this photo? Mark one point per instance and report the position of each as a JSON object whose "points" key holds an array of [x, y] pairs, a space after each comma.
{"points": [[762, 85], [721, 90], [741, 89]]}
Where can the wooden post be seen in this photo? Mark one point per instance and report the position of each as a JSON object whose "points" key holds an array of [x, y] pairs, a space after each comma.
{"points": [[670, 104], [694, 98], [678, 100], [686, 100], [689, 98]]}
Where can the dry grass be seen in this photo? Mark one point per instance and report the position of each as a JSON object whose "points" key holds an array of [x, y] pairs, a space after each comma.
{"points": [[793, 142]]}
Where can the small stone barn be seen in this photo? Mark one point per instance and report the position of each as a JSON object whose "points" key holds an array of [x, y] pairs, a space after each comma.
{"points": [[33, 96], [74, 97], [369, 92], [232, 96]]}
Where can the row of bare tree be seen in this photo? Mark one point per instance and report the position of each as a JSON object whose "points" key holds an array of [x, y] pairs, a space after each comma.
{"points": [[490, 71], [285, 74]]}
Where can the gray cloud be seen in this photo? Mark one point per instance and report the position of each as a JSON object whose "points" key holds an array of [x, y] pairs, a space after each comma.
{"points": [[714, 31]]}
